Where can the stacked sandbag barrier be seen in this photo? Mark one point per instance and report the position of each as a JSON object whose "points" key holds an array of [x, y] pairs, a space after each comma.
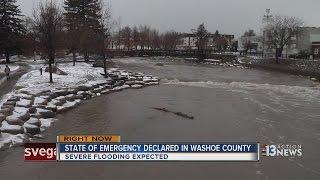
{"points": [[28, 112]]}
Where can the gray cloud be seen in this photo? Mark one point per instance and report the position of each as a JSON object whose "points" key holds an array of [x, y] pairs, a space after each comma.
{"points": [[228, 16]]}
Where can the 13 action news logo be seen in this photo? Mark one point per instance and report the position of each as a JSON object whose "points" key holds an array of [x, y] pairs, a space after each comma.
{"points": [[281, 150]]}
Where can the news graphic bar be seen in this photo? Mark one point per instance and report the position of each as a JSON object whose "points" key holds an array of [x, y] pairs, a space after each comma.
{"points": [[88, 138], [157, 152], [109, 148], [40, 152]]}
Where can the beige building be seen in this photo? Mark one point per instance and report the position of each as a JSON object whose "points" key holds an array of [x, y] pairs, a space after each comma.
{"points": [[255, 42]]}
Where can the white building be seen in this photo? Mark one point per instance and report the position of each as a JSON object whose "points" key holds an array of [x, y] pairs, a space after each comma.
{"points": [[189, 41], [303, 43]]}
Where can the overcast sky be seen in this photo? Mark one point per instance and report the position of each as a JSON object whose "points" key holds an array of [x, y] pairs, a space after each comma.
{"points": [[228, 16]]}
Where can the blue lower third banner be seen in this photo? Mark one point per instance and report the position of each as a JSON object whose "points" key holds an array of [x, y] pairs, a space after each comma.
{"points": [[157, 152]]}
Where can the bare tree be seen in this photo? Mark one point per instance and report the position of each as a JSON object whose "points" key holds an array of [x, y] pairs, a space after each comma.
{"points": [[280, 31], [170, 40], [221, 44], [154, 39], [136, 37], [48, 21], [144, 36], [126, 34], [117, 33]]}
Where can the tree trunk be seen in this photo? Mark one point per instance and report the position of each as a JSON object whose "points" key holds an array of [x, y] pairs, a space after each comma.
{"points": [[105, 66], [7, 56], [277, 59], [34, 55], [278, 54], [74, 57], [200, 53], [86, 57], [51, 61]]}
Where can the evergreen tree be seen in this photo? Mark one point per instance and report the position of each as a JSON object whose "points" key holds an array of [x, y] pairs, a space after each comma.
{"points": [[72, 20], [11, 27], [82, 20], [103, 34], [202, 37], [217, 33]]}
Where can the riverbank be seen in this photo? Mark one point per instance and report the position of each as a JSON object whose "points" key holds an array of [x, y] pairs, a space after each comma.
{"points": [[32, 106], [290, 66], [217, 62], [307, 68]]}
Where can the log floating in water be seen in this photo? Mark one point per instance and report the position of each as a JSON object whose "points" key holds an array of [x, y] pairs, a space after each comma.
{"points": [[173, 112]]}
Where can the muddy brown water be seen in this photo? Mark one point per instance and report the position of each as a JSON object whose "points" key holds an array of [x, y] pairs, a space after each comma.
{"points": [[228, 105]]}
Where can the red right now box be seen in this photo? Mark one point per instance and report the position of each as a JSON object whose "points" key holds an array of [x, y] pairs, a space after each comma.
{"points": [[40, 152]]}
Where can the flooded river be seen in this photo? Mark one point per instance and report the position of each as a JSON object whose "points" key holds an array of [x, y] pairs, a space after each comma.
{"points": [[229, 104]]}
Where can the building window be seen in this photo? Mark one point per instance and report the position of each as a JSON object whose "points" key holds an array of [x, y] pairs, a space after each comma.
{"points": [[316, 51]]}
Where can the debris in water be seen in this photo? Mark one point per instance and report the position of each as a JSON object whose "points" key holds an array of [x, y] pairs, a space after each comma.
{"points": [[173, 112], [159, 64]]}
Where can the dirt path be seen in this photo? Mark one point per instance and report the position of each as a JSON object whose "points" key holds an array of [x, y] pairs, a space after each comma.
{"points": [[7, 86]]}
